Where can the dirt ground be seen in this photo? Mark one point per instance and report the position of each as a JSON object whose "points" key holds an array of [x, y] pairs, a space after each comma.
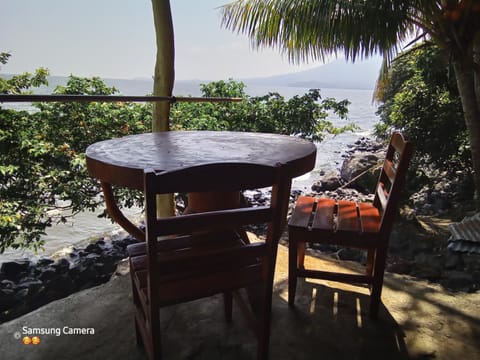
{"points": [[418, 320]]}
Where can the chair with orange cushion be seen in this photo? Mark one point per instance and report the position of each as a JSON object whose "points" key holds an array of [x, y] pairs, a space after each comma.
{"points": [[199, 255], [351, 224]]}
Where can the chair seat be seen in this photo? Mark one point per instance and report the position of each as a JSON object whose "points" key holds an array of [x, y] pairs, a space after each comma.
{"points": [[353, 224]]}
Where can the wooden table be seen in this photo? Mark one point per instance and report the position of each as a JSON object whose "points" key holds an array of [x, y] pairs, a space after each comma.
{"points": [[121, 161]]}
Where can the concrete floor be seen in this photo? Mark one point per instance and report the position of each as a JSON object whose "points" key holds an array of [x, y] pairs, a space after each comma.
{"points": [[418, 321]]}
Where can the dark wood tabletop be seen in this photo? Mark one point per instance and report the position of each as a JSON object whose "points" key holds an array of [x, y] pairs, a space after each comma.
{"points": [[121, 161]]}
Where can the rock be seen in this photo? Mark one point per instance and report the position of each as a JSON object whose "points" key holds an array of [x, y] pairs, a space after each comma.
{"points": [[22, 294], [7, 299], [453, 260], [329, 181], [434, 261], [44, 262], [425, 272], [104, 268], [31, 284], [400, 267], [13, 269], [471, 262], [94, 248], [7, 284], [61, 266], [457, 280], [123, 267], [351, 255], [47, 274], [64, 284], [359, 163], [91, 258]]}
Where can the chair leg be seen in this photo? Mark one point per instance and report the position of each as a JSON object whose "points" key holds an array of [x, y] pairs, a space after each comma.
{"points": [[370, 261], [378, 273], [154, 334], [263, 340], [227, 304], [138, 335], [301, 254], [264, 318], [292, 270], [137, 305]]}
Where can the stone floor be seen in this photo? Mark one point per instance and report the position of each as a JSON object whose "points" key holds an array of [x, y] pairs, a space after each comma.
{"points": [[418, 321]]}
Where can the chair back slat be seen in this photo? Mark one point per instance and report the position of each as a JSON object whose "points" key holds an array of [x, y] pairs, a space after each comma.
{"points": [[390, 170], [213, 177], [214, 220], [382, 196], [398, 142], [214, 259], [392, 178]]}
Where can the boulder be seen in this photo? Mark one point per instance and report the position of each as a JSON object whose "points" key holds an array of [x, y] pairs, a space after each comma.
{"points": [[366, 163], [329, 181], [13, 269]]}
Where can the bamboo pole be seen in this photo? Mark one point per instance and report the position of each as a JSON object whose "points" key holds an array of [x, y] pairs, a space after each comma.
{"points": [[109, 98]]}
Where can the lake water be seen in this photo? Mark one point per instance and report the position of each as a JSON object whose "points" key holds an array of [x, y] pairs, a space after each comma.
{"points": [[86, 226]]}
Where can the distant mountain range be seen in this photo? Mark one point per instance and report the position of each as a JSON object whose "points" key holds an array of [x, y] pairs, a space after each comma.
{"points": [[337, 74]]}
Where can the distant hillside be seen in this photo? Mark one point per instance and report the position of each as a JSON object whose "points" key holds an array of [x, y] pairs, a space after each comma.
{"points": [[124, 86], [337, 74]]}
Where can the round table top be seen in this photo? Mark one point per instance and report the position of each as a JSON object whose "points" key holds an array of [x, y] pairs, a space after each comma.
{"points": [[121, 161]]}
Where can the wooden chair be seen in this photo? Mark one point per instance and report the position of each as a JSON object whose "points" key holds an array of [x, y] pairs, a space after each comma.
{"points": [[202, 254], [351, 224]]}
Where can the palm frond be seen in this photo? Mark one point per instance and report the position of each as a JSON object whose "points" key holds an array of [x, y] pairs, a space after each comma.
{"points": [[315, 29]]}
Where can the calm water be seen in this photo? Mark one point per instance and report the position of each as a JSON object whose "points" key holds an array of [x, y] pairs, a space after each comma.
{"points": [[86, 226]]}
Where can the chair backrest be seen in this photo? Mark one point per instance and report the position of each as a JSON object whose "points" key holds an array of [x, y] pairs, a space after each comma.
{"points": [[218, 177], [392, 179]]}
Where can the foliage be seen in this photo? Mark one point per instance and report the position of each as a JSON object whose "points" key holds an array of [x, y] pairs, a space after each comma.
{"points": [[42, 162], [19, 83], [43, 176], [304, 115], [421, 99]]}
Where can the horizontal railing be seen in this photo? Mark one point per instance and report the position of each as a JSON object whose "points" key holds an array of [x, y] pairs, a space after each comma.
{"points": [[110, 98]]}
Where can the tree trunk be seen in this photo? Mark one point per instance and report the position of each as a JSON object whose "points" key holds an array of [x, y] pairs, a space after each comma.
{"points": [[163, 81], [164, 67], [468, 82]]}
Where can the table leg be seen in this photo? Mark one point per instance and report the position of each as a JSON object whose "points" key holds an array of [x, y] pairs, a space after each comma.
{"points": [[117, 215], [210, 201]]}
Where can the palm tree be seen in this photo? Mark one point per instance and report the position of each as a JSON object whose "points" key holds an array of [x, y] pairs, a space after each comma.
{"points": [[315, 29]]}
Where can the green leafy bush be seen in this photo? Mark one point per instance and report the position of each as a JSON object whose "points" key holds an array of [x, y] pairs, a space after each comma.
{"points": [[43, 174], [302, 115], [42, 157], [421, 99]]}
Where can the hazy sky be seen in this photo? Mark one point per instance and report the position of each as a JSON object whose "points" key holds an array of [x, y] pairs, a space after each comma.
{"points": [[116, 39]]}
